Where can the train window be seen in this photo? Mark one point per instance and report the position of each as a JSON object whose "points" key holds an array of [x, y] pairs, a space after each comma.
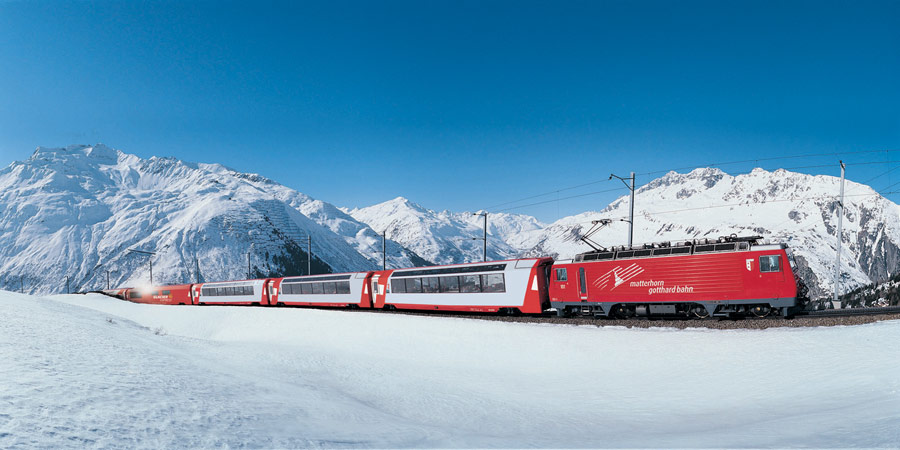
{"points": [[679, 250], [317, 288], [627, 254], [329, 288], [398, 286], [343, 287], [743, 246], [167, 293], [724, 247], [493, 282], [449, 284], [287, 288], [770, 263], [306, 289], [430, 285], [704, 248], [638, 253], [607, 255], [248, 290], [414, 285], [220, 291], [662, 251], [581, 281], [154, 293], [134, 294], [561, 275], [470, 283]]}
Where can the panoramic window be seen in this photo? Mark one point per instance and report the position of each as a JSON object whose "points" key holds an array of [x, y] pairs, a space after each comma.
{"points": [[449, 284], [493, 282], [398, 286], [470, 283], [430, 285], [414, 285]]}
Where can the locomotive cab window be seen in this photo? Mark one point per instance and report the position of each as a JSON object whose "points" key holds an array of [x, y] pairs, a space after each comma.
{"points": [[771, 263], [561, 275]]}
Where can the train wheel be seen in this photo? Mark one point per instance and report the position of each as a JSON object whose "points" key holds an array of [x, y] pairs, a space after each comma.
{"points": [[760, 310], [622, 312], [700, 312]]}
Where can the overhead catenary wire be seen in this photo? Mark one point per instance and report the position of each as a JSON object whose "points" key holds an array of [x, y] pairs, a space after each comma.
{"points": [[562, 198], [776, 158]]}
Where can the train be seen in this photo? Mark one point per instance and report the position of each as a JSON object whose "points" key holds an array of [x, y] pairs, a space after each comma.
{"points": [[725, 277]]}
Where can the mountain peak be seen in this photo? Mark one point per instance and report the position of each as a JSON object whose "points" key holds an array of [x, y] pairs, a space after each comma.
{"points": [[99, 152]]}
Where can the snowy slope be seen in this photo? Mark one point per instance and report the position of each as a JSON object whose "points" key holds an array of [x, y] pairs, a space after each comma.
{"points": [[93, 371], [782, 206], [77, 210], [445, 237]]}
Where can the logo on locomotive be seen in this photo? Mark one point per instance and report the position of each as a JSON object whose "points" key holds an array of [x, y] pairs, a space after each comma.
{"points": [[621, 275]]}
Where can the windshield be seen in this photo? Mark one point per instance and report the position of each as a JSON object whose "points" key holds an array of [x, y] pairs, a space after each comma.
{"points": [[790, 256]]}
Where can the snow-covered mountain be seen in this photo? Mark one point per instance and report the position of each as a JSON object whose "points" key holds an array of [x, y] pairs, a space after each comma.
{"points": [[446, 237], [782, 206], [76, 211]]}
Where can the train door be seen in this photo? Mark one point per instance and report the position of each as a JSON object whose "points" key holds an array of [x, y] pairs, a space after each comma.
{"points": [[373, 290], [582, 284], [271, 291], [195, 294]]}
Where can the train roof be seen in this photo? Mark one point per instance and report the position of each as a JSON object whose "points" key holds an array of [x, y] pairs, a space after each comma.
{"points": [[687, 247]]}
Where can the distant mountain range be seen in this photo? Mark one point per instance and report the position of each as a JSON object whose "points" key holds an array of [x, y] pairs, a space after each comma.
{"points": [[77, 211]]}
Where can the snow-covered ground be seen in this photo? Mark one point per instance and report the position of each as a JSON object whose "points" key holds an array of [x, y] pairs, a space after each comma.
{"points": [[93, 371]]}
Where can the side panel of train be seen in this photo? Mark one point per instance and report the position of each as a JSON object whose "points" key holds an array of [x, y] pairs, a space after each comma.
{"points": [[705, 284], [497, 286], [160, 295], [333, 290], [247, 292]]}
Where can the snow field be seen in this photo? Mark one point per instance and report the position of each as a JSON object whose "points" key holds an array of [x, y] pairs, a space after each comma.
{"points": [[90, 370]]}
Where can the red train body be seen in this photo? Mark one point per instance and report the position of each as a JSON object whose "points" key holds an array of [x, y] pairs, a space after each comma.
{"points": [[706, 278], [513, 286], [730, 276]]}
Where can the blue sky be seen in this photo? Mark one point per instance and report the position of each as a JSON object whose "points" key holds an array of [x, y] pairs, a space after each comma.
{"points": [[458, 105]]}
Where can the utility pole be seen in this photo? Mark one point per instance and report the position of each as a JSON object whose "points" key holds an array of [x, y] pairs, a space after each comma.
{"points": [[22, 283], [150, 259], [67, 284], [384, 250], [197, 263], [308, 255], [631, 213], [107, 280], [836, 303], [485, 214], [248, 265]]}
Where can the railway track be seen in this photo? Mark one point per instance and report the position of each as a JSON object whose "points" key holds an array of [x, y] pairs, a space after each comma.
{"points": [[851, 312], [831, 317]]}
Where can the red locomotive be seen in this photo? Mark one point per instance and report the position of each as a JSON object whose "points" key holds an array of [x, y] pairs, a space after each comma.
{"points": [[701, 278]]}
